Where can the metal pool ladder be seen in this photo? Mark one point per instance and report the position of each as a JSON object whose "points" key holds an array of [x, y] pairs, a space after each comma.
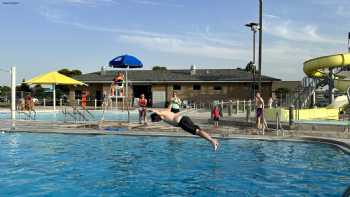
{"points": [[77, 115], [30, 115]]}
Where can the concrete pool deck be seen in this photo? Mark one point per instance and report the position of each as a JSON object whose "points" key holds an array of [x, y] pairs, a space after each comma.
{"points": [[339, 139], [232, 130]]}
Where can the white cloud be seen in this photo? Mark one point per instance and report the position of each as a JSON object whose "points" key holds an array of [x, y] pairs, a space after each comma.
{"points": [[343, 11], [287, 29], [88, 2], [185, 47], [271, 16], [282, 57], [157, 3]]}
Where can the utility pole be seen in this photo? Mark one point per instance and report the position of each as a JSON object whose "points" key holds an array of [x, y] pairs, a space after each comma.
{"points": [[260, 40], [349, 42]]}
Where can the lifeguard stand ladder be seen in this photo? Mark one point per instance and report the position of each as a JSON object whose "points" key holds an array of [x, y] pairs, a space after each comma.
{"points": [[118, 95]]}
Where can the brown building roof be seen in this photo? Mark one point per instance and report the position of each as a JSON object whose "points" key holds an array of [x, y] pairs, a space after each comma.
{"points": [[200, 75], [290, 85]]}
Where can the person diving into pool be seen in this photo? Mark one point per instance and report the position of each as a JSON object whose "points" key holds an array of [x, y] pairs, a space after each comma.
{"points": [[184, 122]]}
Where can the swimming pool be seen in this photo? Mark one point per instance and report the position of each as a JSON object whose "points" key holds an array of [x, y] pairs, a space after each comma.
{"points": [[94, 115], [66, 165]]}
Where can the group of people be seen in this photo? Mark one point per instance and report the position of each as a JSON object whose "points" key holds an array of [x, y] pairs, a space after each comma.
{"points": [[27, 103], [174, 117], [216, 112], [174, 106]]}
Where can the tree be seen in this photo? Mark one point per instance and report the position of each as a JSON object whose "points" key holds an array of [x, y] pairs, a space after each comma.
{"points": [[24, 87], [250, 67], [5, 90], [159, 68], [39, 92], [70, 73]]}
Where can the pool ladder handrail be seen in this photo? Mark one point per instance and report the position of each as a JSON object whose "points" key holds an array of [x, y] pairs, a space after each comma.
{"points": [[78, 115], [28, 116], [348, 96]]}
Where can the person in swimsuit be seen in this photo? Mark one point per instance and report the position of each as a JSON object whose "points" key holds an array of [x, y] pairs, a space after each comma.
{"points": [[175, 103], [84, 99], [184, 122], [119, 79], [259, 102], [142, 110], [215, 114], [117, 84]]}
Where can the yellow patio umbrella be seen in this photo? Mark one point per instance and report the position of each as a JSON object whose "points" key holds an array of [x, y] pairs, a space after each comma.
{"points": [[54, 78]]}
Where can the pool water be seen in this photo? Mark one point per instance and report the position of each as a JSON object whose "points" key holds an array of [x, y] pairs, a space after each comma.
{"points": [[66, 165], [96, 115]]}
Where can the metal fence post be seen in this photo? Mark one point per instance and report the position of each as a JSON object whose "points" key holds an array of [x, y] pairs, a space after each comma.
{"points": [[222, 107], [44, 103], [250, 105], [277, 129], [243, 106], [230, 108], [248, 113], [291, 116], [95, 104], [237, 106]]}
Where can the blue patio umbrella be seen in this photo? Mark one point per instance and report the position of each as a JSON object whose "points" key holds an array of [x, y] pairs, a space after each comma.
{"points": [[126, 62]]}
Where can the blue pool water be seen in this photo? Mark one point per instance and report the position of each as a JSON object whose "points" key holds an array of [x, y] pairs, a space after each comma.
{"points": [[66, 165], [59, 116]]}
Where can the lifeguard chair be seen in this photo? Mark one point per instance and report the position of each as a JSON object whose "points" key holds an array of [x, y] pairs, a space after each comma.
{"points": [[118, 89]]}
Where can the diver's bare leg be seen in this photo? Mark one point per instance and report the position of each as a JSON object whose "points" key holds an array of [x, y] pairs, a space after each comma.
{"points": [[206, 136]]}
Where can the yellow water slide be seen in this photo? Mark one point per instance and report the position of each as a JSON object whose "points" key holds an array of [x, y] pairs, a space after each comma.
{"points": [[315, 68]]}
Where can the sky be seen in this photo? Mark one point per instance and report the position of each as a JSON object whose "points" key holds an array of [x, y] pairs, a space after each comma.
{"points": [[38, 36]]}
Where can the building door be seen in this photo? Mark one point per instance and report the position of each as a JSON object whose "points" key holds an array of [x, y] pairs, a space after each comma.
{"points": [[143, 89], [159, 99], [98, 97]]}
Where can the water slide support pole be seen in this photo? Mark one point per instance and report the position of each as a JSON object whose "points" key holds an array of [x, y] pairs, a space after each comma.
{"points": [[331, 85]]}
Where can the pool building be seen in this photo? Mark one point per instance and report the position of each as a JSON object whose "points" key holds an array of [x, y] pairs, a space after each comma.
{"points": [[200, 86]]}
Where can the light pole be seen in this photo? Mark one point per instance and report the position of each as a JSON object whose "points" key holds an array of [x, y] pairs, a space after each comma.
{"points": [[260, 40], [254, 28]]}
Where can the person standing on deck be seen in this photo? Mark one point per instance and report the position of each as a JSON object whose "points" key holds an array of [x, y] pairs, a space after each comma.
{"points": [[259, 103], [175, 103], [215, 114], [270, 103], [142, 109], [84, 99]]}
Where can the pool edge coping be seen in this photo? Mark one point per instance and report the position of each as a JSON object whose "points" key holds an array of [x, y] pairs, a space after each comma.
{"points": [[337, 142]]}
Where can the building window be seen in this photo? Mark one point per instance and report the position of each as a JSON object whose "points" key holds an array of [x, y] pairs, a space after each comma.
{"points": [[176, 87], [217, 87], [196, 87]]}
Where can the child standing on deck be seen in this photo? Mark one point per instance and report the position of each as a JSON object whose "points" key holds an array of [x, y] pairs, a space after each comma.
{"points": [[142, 110], [215, 114], [84, 99], [259, 103]]}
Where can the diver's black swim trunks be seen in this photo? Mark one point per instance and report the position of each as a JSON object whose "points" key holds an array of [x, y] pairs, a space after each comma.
{"points": [[187, 125]]}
